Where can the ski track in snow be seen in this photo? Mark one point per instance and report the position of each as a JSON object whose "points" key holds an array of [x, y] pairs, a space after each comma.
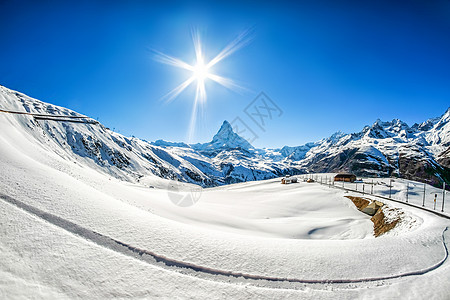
{"points": [[193, 269]]}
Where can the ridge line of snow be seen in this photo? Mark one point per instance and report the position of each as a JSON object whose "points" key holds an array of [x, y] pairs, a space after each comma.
{"points": [[43, 115]]}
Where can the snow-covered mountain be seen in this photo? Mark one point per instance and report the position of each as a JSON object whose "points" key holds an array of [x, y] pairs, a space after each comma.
{"points": [[228, 158], [225, 139], [419, 152]]}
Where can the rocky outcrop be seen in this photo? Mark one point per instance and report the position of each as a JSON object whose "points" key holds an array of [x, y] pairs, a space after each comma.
{"points": [[381, 224]]}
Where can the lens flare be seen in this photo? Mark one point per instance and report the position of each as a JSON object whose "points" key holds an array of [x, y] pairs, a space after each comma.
{"points": [[201, 71]]}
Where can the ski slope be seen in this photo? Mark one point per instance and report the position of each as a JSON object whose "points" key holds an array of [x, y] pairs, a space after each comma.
{"points": [[71, 231]]}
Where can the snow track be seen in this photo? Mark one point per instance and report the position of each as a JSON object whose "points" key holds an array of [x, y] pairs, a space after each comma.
{"points": [[193, 269], [42, 115], [57, 118]]}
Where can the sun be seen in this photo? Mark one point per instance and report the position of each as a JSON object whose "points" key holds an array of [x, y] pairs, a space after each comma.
{"points": [[201, 71]]}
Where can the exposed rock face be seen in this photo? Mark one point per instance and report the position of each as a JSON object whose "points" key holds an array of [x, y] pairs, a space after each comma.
{"points": [[444, 158], [381, 224]]}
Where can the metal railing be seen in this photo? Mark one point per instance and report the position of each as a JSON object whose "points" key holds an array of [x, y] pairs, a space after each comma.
{"points": [[408, 192]]}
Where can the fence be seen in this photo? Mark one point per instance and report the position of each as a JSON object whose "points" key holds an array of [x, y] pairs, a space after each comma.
{"points": [[413, 193]]}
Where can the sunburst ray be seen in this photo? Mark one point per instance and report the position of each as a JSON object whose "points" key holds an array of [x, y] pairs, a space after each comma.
{"points": [[201, 71]]}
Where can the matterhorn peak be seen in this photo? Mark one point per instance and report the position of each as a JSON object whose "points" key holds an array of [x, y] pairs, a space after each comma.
{"points": [[227, 138], [225, 129]]}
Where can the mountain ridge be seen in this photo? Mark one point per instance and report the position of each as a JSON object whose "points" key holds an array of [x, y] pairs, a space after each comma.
{"points": [[385, 148]]}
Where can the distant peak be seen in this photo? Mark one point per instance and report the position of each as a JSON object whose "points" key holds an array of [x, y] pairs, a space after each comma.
{"points": [[337, 134], [226, 125], [377, 122], [226, 137], [445, 118], [447, 112]]}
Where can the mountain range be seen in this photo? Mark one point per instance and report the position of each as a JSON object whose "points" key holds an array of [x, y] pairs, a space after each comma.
{"points": [[418, 152]]}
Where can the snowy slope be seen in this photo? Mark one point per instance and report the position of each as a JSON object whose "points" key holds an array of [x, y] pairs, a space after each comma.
{"points": [[92, 144], [303, 231], [84, 212]]}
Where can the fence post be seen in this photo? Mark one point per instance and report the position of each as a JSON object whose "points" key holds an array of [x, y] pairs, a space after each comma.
{"points": [[435, 197], [423, 201], [363, 188], [407, 189], [371, 190], [443, 197], [390, 188]]}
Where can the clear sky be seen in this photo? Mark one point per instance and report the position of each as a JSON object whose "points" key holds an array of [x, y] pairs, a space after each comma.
{"points": [[328, 65]]}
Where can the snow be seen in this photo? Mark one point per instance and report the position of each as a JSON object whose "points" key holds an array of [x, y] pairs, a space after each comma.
{"points": [[303, 231]]}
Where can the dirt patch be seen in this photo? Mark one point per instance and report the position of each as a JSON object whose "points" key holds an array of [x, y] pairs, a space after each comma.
{"points": [[381, 223], [359, 202]]}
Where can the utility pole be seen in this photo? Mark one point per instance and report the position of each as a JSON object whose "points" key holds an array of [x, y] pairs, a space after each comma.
{"points": [[423, 201], [371, 190], [363, 188]]}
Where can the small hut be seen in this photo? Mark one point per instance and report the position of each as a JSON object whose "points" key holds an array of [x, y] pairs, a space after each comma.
{"points": [[347, 177], [288, 179]]}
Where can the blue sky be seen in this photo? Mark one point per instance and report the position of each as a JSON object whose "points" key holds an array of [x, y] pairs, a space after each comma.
{"points": [[328, 65]]}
